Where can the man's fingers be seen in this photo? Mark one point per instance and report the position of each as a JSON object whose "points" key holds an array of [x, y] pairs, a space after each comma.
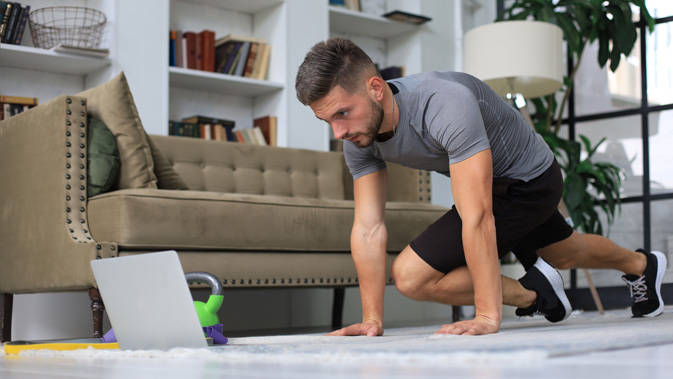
{"points": [[358, 330], [465, 328]]}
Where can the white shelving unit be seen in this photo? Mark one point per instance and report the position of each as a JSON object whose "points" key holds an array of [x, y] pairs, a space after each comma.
{"points": [[137, 35]]}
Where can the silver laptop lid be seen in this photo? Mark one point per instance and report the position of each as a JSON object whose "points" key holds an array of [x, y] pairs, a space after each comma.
{"points": [[148, 301]]}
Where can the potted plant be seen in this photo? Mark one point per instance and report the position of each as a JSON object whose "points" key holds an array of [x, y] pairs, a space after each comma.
{"points": [[610, 22]]}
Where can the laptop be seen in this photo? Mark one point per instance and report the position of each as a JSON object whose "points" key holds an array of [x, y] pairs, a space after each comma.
{"points": [[148, 301]]}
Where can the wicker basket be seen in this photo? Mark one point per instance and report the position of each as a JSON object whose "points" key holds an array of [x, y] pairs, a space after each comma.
{"points": [[75, 26]]}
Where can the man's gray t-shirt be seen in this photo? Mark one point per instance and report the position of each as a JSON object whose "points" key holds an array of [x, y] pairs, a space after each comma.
{"points": [[447, 117]]}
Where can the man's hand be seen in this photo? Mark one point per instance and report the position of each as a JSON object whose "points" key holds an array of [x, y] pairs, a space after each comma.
{"points": [[480, 325], [369, 329]]}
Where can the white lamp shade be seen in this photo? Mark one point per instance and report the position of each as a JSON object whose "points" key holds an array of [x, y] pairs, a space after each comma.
{"points": [[523, 57]]}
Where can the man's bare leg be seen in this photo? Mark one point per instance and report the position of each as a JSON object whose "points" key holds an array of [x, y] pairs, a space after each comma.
{"points": [[417, 280], [592, 251]]}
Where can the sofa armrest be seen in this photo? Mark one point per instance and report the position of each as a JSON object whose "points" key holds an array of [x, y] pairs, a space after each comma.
{"points": [[43, 201]]}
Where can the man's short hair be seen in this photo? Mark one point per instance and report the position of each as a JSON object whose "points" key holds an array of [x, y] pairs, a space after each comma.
{"points": [[335, 62]]}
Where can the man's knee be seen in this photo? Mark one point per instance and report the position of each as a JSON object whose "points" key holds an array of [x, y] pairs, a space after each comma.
{"points": [[407, 280], [565, 254]]}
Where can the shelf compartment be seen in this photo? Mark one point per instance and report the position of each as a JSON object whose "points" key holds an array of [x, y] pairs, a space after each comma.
{"points": [[346, 21], [32, 58], [220, 83]]}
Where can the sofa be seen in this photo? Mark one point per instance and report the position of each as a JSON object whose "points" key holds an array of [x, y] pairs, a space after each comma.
{"points": [[254, 216]]}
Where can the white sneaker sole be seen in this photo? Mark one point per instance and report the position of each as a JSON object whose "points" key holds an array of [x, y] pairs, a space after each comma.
{"points": [[661, 271], [556, 282]]}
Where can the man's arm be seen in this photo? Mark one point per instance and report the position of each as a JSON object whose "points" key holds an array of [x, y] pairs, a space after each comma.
{"points": [[368, 247], [472, 186]]}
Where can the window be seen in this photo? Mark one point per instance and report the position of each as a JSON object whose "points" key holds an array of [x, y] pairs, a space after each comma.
{"points": [[633, 109]]}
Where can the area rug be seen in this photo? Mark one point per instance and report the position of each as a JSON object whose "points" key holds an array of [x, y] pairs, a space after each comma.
{"points": [[519, 341]]}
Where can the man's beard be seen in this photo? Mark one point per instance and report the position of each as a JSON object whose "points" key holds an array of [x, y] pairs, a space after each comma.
{"points": [[372, 129]]}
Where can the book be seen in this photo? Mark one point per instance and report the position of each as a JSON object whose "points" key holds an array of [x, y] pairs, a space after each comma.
{"points": [[9, 109], [250, 63], [199, 51], [259, 137], [262, 62], [225, 54], [13, 105], [241, 59], [268, 127], [239, 136], [84, 51], [209, 120], [21, 27], [182, 129], [178, 48], [238, 37], [205, 131], [190, 38], [207, 50], [172, 54], [353, 5], [11, 24], [19, 100], [409, 18], [183, 51], [5, 12]]}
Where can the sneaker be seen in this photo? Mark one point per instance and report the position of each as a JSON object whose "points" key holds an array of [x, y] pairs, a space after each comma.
{"points": [[646, 290], [552, 301]]}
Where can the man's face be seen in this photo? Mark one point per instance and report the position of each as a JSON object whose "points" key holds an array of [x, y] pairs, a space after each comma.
{"points": [[355, 117]]}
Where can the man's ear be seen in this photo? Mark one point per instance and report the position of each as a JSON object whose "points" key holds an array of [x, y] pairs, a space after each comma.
{"points": [[376, 87]]}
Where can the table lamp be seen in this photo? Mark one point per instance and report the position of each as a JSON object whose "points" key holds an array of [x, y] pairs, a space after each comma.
{"points": [[516, 57]]}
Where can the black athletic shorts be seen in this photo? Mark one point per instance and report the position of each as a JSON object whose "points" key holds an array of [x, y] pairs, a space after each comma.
{"points": [[526, 219]]}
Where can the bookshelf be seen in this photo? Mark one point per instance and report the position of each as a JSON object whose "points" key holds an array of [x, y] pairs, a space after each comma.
{"points": [[234, 97], [137, 36]]}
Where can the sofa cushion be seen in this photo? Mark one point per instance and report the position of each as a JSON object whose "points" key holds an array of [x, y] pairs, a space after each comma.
{"points": [[167, 178], [195, 220], [102, 158], [112, 103]]}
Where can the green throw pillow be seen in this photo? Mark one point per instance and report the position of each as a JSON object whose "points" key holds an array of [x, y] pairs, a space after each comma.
{"points": [[102, 158]]}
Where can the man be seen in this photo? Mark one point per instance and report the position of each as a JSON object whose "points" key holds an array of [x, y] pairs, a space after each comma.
{"points": [[505, 182]]}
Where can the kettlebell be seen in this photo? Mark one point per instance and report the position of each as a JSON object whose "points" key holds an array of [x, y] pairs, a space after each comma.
{"points": [[207, 311]]}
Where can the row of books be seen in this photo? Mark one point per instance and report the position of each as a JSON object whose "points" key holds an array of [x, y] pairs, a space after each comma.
{"points": [[13, 20], [192, 50], [232, 54], [242, 56], [263, 132], [13, 105]]}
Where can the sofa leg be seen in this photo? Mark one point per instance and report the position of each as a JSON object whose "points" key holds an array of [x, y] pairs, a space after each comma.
{"points": [[7, 307], [97, 307], [338, 307], [456, 312]]}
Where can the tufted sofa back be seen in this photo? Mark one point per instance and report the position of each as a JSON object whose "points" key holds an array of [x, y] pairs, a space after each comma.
{"points": [[229, 167]]}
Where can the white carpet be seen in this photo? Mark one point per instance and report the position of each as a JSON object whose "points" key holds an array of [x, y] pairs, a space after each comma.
{"points": [[526, 340]]}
